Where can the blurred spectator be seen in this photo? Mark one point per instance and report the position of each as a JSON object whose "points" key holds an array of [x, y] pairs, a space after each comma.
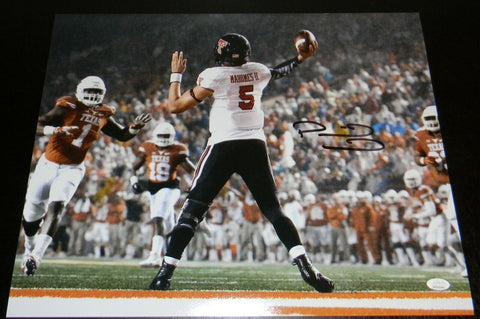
{"points": [[337, 215], [116, 209], [131, 243], [61, 238], [82, 211], [317, 228], [251, 231]]}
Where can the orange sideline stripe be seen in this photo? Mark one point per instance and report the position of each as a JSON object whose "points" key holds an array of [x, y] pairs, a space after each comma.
{"points": [[190, 294], [332, 312]]}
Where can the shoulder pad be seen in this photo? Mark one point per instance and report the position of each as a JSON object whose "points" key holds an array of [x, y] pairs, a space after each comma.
{"points": [[108, 109], [183, 149], [66, 101]]}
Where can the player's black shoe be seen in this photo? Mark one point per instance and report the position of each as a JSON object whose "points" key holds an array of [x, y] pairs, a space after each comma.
{"points": [[163, 278], [312, 276], [30, 265]]}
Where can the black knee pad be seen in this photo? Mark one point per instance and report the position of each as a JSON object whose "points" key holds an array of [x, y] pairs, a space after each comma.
{"points": [[31, 228], [192, 214], [194, 209], [187, 222]]}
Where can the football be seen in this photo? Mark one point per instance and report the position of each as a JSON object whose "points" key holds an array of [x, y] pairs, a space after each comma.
{"points": [[303, 39]]}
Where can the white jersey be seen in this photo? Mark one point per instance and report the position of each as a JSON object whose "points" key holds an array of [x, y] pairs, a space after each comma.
{"points": [[236, 113], [294, 211]]}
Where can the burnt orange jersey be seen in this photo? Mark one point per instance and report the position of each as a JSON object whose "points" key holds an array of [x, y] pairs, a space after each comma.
{"points": [[82, 210], [317, 215], [162, 162], [251, 212], [73, 149], [424, 194], [115, 212], [361, 217], [380, 217], [336, 214], [432, 145]]}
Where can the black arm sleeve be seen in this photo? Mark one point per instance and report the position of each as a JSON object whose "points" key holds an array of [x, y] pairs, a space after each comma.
{"points": [[284, 68], [115, 130]]}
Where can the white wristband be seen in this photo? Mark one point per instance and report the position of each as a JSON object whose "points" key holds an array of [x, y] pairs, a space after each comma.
{"points": [[132, 130], [176, 77], [48, 130], [422, 160]]}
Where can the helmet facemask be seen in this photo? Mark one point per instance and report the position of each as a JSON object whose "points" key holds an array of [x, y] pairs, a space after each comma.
{"points": [[163, 135], [163, 140], [403, 196], [443, 191], [430, 119], [91, 91], [391, 196], [412, 179]]}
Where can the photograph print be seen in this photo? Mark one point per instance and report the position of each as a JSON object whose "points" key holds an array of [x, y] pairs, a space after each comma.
{"points": [[238, 165]]}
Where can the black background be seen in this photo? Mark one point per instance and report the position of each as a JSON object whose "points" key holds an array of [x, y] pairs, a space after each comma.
{"points": [[452, 41]]}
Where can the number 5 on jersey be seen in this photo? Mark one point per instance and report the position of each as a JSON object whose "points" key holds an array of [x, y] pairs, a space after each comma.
{"points": [[248, 99]]}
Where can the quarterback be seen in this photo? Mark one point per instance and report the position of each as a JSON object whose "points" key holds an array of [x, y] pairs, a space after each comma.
{"points": [[161, 156], [72, 126], [237, 144]]}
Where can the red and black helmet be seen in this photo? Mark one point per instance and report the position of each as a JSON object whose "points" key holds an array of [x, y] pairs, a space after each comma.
{"points": [[232, 49]]}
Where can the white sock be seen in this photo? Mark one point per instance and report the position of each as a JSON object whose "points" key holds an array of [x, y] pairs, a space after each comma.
{"points": [[30, 243], [296, 251], [171, 260], [41, 245], [157, 245]]}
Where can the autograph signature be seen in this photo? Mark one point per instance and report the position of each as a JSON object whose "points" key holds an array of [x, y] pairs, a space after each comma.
{"points": [[361, 136]]}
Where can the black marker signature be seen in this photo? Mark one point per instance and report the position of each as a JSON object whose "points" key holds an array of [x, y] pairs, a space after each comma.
{"points": [[359, 136]]}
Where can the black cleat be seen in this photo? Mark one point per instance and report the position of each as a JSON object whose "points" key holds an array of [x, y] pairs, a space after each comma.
{"points": [[312, 276], [29, 266], [163, 278]]}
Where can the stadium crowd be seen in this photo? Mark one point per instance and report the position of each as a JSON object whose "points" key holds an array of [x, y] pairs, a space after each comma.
{"points": [[385, 87]]}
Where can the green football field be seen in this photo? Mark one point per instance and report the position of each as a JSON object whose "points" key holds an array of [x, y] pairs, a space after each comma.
{"points": [[85, 273]]}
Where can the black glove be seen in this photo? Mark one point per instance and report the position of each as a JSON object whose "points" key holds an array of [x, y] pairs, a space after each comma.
{"points": [[137, 188]]}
